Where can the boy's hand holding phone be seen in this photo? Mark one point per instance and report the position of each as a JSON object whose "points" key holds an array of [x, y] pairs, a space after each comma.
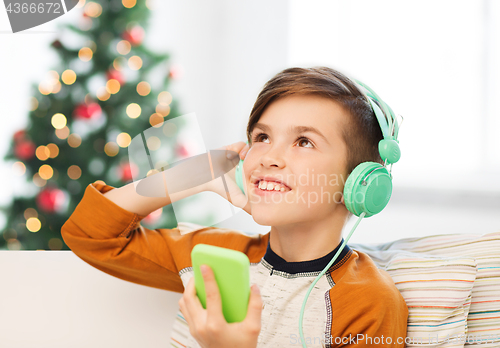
{"points": [[209, 327]]}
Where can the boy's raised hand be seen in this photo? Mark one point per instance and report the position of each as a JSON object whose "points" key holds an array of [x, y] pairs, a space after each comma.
{"points": [[234, 194], [241, 148], [209, 327]]}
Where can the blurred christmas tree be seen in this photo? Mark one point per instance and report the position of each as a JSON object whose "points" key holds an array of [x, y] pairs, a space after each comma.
{"points": [[83, 117]]}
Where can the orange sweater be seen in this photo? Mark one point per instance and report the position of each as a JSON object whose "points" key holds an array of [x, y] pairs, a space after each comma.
{"points": [[353, 304]]}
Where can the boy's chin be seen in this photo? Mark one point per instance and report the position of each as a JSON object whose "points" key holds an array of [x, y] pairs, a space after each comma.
{"points": [[263, 219]]}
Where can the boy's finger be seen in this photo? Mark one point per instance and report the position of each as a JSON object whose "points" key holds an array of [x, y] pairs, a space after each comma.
{"points": [[244, 151], [191, 301], [233, 149], [193, 309], [254, 313], [184, 311], [214, 304]]}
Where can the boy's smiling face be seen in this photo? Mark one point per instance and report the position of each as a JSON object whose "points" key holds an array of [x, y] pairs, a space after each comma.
{"points": [[312, 165]]}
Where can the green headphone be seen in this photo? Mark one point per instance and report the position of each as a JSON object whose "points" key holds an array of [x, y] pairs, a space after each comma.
{"points": [[369, 186]]}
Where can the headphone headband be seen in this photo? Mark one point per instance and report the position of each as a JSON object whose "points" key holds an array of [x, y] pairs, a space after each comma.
{"points": [[385, 116]]}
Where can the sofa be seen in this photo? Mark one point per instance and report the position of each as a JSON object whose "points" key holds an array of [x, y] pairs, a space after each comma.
{"points": [[451, 284]]}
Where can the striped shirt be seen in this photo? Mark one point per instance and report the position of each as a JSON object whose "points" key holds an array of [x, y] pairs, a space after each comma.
{"points": [[353, 304]]}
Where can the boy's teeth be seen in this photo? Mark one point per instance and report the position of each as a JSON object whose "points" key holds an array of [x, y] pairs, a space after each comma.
{"points": [[271, 186]]}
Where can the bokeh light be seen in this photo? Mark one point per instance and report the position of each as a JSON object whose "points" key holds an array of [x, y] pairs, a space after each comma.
{"points": [[85, 54], [156, 120], [143, 88], [163, 110], [54, 150], [57, 87], [133, 110], [53, 77], [33, 224], [58, 121], [123, 47], [102, 94], [45, 172], [62, 133], [13, 244], [111, 149], [113, 86], [74, 172], [42, 153], [135, 62], [93, 9], [129, 3], [68, 77], [123, 139], [33, 104], [55, 244], [45, 87], [19, 168], [153, 143], [165, 98], [29, 213], [169, 129], [38, 181], [74, 140]]}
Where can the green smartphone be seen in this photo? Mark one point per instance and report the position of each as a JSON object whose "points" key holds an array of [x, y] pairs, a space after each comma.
{"points": [[231, 269]]}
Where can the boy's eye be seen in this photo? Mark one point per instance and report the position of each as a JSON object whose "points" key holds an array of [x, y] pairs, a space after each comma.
{"points": [[258, 137], [304, 139]]}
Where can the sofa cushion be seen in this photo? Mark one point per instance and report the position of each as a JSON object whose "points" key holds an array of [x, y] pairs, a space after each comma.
{"points": [[437, 291], [483, 319]]}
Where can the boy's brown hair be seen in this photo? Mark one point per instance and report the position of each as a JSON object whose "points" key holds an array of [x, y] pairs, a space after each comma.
{"points": [[363, 132]]}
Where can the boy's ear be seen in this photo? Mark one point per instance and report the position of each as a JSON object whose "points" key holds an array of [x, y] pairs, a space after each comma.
{"points": [[342, 200]]}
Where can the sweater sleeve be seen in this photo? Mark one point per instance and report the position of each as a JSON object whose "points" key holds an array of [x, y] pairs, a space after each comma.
{"points": [[372, 312], [111, 239]]}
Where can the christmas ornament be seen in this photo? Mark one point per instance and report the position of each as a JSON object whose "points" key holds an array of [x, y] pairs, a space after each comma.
{"points": [[115, 74], [19, 135], [134, 35], [24, 149], [51, 200], [182, 150], [175, 72], [90, 111], [153, 217], [127, 172]]}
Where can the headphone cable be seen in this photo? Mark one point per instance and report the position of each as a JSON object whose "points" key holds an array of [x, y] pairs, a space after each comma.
{"points": [[361, 216]]}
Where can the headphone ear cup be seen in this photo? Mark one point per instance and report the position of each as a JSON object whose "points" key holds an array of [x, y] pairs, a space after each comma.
{"points": [[239, 176], [389, 149], [372, 197]]}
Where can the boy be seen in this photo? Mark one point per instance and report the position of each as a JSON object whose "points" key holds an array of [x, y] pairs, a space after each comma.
{"points": [[353, 304]]}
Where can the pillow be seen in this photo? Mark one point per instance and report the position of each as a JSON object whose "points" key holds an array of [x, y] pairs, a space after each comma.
{"points": [[483, 320], [436, 290]]}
